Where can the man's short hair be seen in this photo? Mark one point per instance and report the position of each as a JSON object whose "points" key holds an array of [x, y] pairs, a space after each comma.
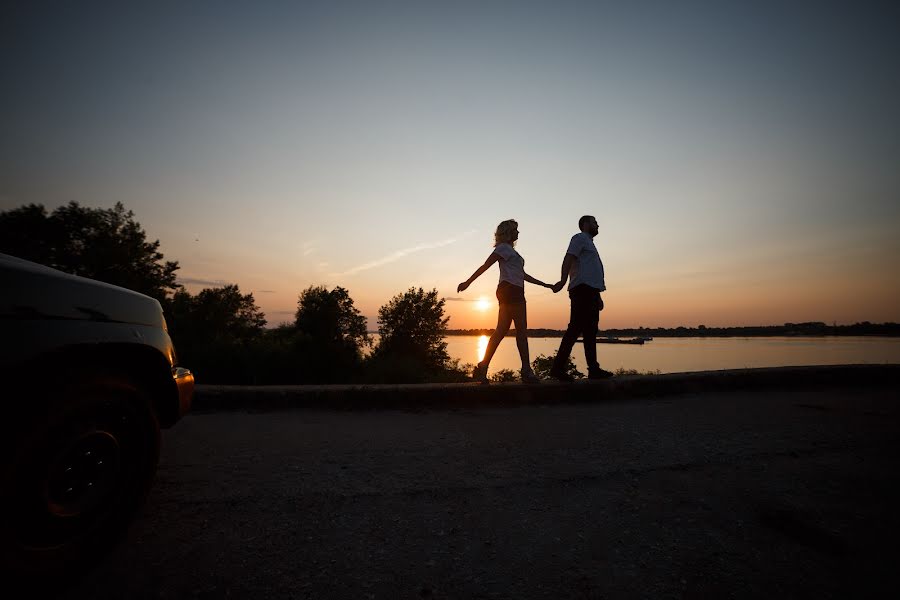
{"points": [[583, 221]]}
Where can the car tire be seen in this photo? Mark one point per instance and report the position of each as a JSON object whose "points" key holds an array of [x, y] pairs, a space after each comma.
{"points": [[80, 472]]}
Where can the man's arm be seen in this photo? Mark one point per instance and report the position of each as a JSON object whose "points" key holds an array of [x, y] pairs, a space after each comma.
{"points": [[564, 271]]}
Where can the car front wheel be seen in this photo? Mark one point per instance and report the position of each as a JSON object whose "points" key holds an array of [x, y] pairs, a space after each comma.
{"points": [[81, 470]]}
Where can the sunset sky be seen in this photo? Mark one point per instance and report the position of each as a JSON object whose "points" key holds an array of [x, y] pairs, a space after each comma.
{"points": [[742, 158]]}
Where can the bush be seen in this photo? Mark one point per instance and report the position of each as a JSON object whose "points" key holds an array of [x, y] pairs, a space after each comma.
{"points": [[453, 372], [393, 368], [504, 376], [542, 365]]}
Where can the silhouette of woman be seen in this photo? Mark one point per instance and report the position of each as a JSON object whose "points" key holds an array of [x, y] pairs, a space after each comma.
{"points": [[510, 295]]}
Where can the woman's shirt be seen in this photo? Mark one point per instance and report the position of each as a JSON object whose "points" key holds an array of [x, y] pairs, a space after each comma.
{"points": [[512, 265]]}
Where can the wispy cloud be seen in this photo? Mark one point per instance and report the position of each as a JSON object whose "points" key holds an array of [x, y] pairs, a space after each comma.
{"points": [[460, 299], [395, 256], [263, 291], [199, 281]]}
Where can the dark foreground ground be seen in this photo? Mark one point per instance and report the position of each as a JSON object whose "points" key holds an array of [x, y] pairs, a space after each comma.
{"points": [[745, 494]]}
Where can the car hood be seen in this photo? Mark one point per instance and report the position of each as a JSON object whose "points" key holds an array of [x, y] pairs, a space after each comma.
{"points": [[34, 291]]}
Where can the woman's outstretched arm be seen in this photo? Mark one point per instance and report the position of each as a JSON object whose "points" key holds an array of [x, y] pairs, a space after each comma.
{"points": [[487, 264]]}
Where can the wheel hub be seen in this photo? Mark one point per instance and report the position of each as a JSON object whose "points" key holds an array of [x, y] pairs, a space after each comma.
{"points": [[83, 475]]}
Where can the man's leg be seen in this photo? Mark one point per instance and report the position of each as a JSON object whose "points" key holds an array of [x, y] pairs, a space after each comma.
{"points": [[592, 326], [565, 349], [591, 312], [568, 341]]}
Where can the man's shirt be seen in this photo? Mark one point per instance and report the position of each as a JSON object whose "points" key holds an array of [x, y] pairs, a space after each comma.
{"points": [[587, 268]]}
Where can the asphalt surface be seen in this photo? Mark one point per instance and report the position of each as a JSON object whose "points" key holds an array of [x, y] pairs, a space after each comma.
{"points": [[743, 494]]}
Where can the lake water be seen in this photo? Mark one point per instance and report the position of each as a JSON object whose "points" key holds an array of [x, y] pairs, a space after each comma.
{"points": [[676, 355]]}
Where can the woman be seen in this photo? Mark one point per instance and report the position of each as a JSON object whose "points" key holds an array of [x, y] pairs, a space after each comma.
{"points": [[510, 295]]}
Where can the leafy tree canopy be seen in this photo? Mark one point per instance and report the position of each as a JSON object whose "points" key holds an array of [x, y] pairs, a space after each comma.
{"points": [[413, 325], [219, 334], [103, 244], [215, 315], [330, 317]]}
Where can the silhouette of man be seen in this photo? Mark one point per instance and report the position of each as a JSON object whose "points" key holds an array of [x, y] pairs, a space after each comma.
{"points": [[584, 269]]}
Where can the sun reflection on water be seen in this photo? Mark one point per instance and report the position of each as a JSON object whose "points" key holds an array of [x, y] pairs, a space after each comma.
{"points": [[482, 346]]}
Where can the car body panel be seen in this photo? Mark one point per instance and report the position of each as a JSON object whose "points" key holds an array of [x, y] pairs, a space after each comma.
{"points": [[45, 312], [33, 291]]}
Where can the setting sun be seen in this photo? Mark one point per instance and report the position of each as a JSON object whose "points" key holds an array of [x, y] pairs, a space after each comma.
{"points": [[482, 304]]}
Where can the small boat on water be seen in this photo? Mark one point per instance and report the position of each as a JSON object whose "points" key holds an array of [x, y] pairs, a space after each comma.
{"points": [[615, 340]]}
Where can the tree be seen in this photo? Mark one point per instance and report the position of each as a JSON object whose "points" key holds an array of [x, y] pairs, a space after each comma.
{"points": [[330, 317], [215, 316], [103, 244], [330, 334], [218, 333], [412, 327]]}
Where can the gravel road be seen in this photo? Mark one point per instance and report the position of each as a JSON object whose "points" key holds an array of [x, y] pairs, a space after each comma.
{"points": [[717, 495]]}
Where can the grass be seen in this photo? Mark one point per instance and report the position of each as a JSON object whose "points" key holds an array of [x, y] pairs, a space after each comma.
{"points": [[622, 371]]}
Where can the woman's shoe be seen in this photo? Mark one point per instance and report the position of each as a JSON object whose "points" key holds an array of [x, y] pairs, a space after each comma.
{"points": [[479, 373]]}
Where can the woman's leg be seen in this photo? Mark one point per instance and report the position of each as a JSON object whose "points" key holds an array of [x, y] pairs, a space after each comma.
{"points": [[519, 316], [504, 318]]}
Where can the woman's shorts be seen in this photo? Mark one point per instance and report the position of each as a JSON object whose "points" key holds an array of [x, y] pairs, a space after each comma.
{"points": [[509, 293]]}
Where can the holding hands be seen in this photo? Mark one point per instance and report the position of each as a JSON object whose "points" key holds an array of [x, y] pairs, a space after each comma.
{"points": [[461, 287], [558, 286]]}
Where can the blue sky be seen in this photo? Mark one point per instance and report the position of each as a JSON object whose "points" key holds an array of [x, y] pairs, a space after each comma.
{"points": [[740, 158]]}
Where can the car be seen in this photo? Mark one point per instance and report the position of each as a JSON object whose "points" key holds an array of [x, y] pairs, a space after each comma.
{"points": [[90, 376]]}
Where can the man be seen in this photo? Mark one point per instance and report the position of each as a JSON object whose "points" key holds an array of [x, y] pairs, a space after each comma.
{"points": [[584, 269]]}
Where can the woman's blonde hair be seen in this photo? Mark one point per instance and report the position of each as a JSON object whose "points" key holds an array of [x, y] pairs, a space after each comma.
{"points": [[505, 231]]}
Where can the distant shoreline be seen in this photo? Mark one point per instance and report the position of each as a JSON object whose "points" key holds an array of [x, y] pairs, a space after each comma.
{"points": [[787, 330]]}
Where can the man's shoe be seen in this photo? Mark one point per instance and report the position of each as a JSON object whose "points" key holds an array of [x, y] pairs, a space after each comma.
{"points": [[600, 374], [529, 377], [561, 375]]}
